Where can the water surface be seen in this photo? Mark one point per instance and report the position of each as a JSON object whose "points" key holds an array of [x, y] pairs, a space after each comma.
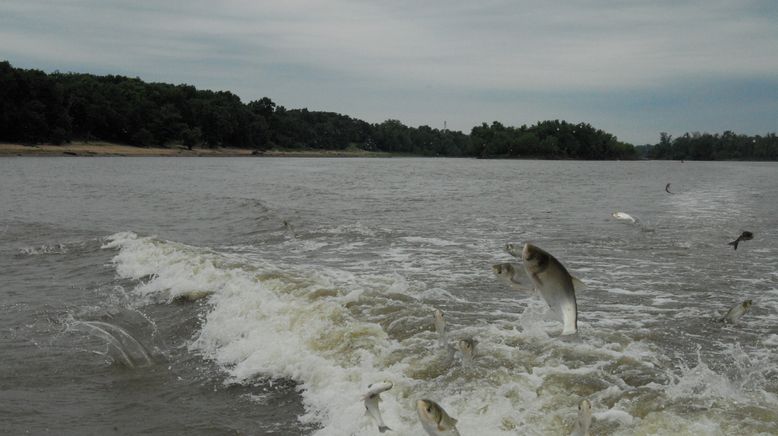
{"points": [[320, 276]]}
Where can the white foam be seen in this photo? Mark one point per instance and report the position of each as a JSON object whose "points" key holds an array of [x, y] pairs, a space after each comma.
{"points": [[428, 241], [335, 331], [44, 249], [618, 416]]}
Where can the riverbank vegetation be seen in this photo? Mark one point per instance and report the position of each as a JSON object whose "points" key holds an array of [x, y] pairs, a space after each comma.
{"points": [[58, 108], [706, 146]]}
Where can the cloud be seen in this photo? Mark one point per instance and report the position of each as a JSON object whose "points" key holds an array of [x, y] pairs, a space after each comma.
{"points": [[415, 60]]}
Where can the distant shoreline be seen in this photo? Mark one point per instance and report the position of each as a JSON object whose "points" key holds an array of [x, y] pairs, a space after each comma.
{"points": [[96, 149]]}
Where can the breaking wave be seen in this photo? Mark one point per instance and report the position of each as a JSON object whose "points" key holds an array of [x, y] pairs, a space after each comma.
{"points": [[334, 332]]}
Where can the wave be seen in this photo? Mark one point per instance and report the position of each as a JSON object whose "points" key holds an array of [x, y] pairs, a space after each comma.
{"points": [[334, 332]]}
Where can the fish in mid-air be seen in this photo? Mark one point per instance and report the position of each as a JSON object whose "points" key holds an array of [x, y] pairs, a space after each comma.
{"points": [[467, 347], [584, 420], [554, 284], [624, 217], [440, 326], [372, 397], [514, 249], [745, 236], [514, 276], [736, 312], [435, 420]]}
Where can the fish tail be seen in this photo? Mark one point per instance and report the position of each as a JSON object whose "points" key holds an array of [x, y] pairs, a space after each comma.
{"points": [[734, 243], [570, 318], [383, 428], [570, 325]]}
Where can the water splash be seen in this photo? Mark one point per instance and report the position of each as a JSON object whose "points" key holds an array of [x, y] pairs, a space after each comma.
{"points": [[122, 346]]}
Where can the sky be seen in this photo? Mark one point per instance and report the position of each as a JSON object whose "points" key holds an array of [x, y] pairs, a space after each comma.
{"points": [[631, 68]]}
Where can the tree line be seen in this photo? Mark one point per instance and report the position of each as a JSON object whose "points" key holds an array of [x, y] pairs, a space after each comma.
{"points": [[57, 108], [706, 146]]}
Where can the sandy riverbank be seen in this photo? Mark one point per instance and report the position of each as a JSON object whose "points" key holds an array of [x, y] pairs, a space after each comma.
{"points": [[109, 149]]}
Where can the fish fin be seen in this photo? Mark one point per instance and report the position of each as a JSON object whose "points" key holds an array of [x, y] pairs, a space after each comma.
{"points": [[383, 428], [578, 284]]}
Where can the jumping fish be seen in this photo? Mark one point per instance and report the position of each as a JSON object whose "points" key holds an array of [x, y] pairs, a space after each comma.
{"points": [[467, 347], [624, 217], [440, 326], [736, 312], [584, 420], [517, 278], [514, 276], [554, 283], [372, 397], [435, 420], [745, 236]]}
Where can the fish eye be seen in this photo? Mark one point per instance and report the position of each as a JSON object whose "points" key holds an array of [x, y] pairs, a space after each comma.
{"points": [[429, 409]]}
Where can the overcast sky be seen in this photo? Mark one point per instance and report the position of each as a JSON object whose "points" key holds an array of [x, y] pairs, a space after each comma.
{"points": [[632, 68]]}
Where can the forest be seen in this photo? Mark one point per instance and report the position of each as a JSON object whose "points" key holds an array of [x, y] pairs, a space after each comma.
{"points": [[706, 146], [56, 108]]}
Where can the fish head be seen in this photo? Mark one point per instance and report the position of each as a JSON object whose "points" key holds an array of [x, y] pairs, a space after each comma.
{"points": [[429, 412], [438, 315], [512, 249], [504, 270], [467, 345], [535, 259], [584, 414], [379, 387], [746, 304], [433, 416]]}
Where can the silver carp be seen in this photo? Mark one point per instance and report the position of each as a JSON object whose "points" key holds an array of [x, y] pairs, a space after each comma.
{"points": [[372, 398], [736, 312], [440, 326], [435, 420], [584, 420], [554, 284]]}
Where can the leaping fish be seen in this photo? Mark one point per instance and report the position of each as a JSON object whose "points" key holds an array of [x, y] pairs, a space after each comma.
{"points": [[372, 397], [624, 217], [435, 420], [519, 278], [554, 283], [745, 236], [736, 312], [584, 420], [512, 275], [440, 326], [467, 347]]}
